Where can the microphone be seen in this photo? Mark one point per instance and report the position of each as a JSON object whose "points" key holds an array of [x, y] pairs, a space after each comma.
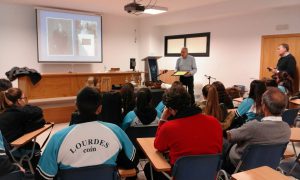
{"points": [[209, 77]]}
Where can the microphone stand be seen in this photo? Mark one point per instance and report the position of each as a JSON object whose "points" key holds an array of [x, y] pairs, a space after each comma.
{"points": [[163, 72], [209, 77]]}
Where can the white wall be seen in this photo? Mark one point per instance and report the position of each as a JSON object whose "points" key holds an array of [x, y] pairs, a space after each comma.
{"points": [[18, 42], [235, 39]]}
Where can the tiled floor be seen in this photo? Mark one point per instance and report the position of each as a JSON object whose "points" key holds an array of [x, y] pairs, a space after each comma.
{"points": [[141, 176]]}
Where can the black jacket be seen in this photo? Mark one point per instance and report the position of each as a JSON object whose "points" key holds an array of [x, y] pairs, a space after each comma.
{"points": [[288, 64], [16, 121], [16, 72]]}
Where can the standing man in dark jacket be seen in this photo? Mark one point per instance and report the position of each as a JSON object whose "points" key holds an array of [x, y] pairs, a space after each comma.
{"points": [[286, 61]]}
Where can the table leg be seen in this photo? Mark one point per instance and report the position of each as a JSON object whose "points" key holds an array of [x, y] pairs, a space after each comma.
{"points": [[294, 149], [151, 172]]}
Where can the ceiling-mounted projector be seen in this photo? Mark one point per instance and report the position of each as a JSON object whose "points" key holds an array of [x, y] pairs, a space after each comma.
{"points": [[134, 7]]}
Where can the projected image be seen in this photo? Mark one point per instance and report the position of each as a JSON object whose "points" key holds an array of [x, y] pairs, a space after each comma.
{"points": [[59, 37], [69, 37], [86, 37]]}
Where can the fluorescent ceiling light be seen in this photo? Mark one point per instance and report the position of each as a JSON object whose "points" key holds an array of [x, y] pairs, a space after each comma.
{"points": [[155, 10]]}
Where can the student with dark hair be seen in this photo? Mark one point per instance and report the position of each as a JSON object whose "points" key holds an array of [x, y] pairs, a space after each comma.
{"points": [[87, 143], [144, 113], [160, 107], [212, 106], [5, 84], [111, 108], [223, 95], [285, 83], [174, 135], [251, 108], [16, 116], [128, 98]]}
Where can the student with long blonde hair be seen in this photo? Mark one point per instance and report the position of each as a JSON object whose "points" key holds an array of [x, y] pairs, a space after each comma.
{"points": [[212, 106]]}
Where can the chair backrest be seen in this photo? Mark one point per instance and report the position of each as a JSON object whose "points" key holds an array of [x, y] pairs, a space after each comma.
{"points": [[107, 172], [140, 132], [197, 167], [289, 116], [16, 175], [257, 155]]}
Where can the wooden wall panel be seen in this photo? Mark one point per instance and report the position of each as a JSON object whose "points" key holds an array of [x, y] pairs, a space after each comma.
{"points": [[64, 85], [58, 114]]}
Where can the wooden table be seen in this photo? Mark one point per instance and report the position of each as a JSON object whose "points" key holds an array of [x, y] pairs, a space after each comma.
{"points": [[29, 136], [294, 103], [156, 158], [295, 135], [24, 140], [261, 173], [124, 173]]}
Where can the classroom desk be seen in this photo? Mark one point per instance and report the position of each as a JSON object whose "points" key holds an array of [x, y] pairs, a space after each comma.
{"points": [[29, 136], [294, 103], [24, 140], [124, 173], [295, 137], [261, 173], [156, 158]]}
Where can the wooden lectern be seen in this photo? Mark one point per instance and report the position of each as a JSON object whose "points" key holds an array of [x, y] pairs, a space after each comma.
{"points": [[151, 68]]}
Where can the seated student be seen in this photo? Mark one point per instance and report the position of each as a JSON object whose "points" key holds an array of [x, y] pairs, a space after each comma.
{"points": [[5, 84], [223, 95], [111, 108], [284, 82], [144, 113], [16, 116], [271, 129], [174, 135], [160, 107], [128, 98], [88, 143], [211, 105], [6, 166], [250, 108]]}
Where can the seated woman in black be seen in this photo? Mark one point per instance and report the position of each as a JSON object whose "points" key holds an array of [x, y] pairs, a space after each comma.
{"points": [[144, 113], [17, 118], [223, 95]]}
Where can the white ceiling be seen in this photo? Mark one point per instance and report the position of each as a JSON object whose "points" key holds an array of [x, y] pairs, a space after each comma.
{"points": [[113, 6]]}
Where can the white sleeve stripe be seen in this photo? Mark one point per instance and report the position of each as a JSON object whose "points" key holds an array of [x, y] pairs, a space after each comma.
{"points": [[43, 174], [133, 154], [237, 113]]}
